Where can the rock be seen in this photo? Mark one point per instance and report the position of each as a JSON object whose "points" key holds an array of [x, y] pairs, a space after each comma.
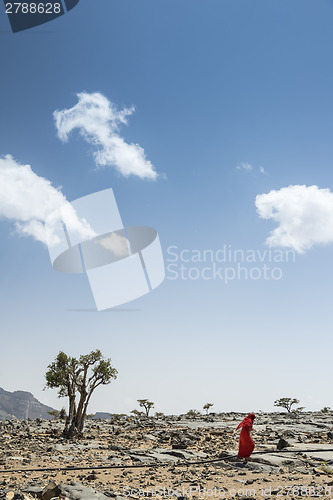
{"points": [[259, 467], [141, 458], [50, 491], [39, 444], [91, 477], [78, 492], [115, 447], [34, 491], [282, 444], [150, 437]]}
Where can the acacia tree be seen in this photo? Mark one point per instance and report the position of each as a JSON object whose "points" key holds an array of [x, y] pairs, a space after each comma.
{"points": [[77, 379], [147, 405], [207, 406], [287, 403]]}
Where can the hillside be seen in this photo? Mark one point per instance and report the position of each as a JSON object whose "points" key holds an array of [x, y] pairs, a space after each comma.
{"points": [[21, 405]]}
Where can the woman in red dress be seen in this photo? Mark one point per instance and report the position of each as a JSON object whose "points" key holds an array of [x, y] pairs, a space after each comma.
{"points": [[246, 445]]}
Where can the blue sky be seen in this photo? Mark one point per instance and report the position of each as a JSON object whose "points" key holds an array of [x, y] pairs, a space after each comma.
{"points": [[216, 85]]}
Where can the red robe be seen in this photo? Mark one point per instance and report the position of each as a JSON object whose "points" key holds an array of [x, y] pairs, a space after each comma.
{"points": [[246, 445]]}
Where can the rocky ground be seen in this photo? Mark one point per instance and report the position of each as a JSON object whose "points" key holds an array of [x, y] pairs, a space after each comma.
{"points": [[171, 442]]}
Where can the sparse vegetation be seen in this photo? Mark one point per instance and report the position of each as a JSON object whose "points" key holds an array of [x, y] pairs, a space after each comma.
{"points": [[287, 403], [326, 409], [118, 415], [159, 414], [146, 404], [192, 413], [137, 413], [77, 379], [62, 414], [207, 406], [54, 414]]}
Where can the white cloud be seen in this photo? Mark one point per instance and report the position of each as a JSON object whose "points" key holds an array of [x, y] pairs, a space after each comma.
{"points": [[245, 166], [98, 121], [116, 243], [28, 199], [304, 215]]}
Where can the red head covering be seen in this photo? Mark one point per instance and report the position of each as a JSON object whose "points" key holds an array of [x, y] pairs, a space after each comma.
{"points": [[248, 421]]}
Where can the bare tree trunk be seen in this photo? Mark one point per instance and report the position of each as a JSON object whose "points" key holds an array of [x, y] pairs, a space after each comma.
{"points": [[79, 414], [69, 429], [85, 407]]}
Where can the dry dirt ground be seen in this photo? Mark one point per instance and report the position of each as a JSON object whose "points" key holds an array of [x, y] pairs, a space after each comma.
{"points": [[163, 447]]}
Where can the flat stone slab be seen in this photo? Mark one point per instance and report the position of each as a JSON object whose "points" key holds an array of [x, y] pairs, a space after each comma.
{"points": [[262, 467], [79, 492], [75, 446], [318, 455], [293, 457], [164, 457], [278, 460], [142, 458]]}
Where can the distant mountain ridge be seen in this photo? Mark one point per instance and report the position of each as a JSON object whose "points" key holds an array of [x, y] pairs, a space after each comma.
{"points": [[102, 414], [21, 405]]}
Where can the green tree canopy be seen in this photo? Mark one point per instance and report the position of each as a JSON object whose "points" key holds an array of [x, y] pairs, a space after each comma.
{"points": [[207, 406], [146, 404], [77, 379], [286, 403]]}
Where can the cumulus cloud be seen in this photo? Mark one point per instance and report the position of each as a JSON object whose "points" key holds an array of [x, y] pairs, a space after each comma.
{"points": [[28, 199], [304, 215], [98, 121]]}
